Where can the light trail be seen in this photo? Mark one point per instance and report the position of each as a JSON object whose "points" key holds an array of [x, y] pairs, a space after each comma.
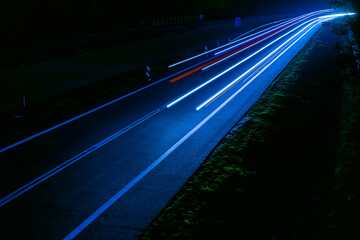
{"points": [[260, 40], [222, 57], [252, 68], [287, 21], [227, 70], [234, 51], [231, 84], [227, 44], [278, 56]]}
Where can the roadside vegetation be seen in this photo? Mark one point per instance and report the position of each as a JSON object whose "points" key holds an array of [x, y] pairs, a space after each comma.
{"points": [[291, 171], [345, 208]]}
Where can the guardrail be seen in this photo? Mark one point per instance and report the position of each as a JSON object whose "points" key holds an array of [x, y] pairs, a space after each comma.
{"points": [[177, 20]]}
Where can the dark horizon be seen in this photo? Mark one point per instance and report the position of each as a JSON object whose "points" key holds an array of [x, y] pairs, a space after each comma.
{"points": [[53, 17]]}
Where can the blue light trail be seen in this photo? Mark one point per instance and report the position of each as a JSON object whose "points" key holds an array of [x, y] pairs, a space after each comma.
{"points": [[318, 20], [227, 70]]}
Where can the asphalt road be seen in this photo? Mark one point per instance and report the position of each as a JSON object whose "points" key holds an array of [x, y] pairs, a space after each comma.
{"points": [[112, 188]]}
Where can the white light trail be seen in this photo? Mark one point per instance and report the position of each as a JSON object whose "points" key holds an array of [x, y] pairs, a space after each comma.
{"points": [[227, 70], [305, 16], [319, 20], [252, 68], [211, 65], [287, 22], [262, 70]]}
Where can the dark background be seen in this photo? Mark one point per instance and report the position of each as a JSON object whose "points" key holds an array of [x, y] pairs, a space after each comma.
{"points": [[33, 17]]}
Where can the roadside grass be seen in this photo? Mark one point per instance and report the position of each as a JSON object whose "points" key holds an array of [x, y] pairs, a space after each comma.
{"points": [[272, 176], [345, 209]]}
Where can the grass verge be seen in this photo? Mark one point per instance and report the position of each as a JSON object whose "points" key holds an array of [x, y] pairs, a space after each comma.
{"points": [[345, 208]]}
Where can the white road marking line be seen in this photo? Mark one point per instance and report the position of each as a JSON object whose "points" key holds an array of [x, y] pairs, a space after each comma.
{"points": [[74, 159]]}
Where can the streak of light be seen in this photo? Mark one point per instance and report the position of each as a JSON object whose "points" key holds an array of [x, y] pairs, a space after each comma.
{"points": [[319, 20], [288, 21], [227, 70], [252, 68]]}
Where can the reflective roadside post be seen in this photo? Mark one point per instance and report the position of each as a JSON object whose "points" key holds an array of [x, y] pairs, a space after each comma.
{"points": [[148, 72], [20, 112], [201, 18], [237, 21], [23, 103]]}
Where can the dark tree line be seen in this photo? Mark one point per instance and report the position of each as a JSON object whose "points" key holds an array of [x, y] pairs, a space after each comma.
{"points": [[83, 16], [50, 16]]}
